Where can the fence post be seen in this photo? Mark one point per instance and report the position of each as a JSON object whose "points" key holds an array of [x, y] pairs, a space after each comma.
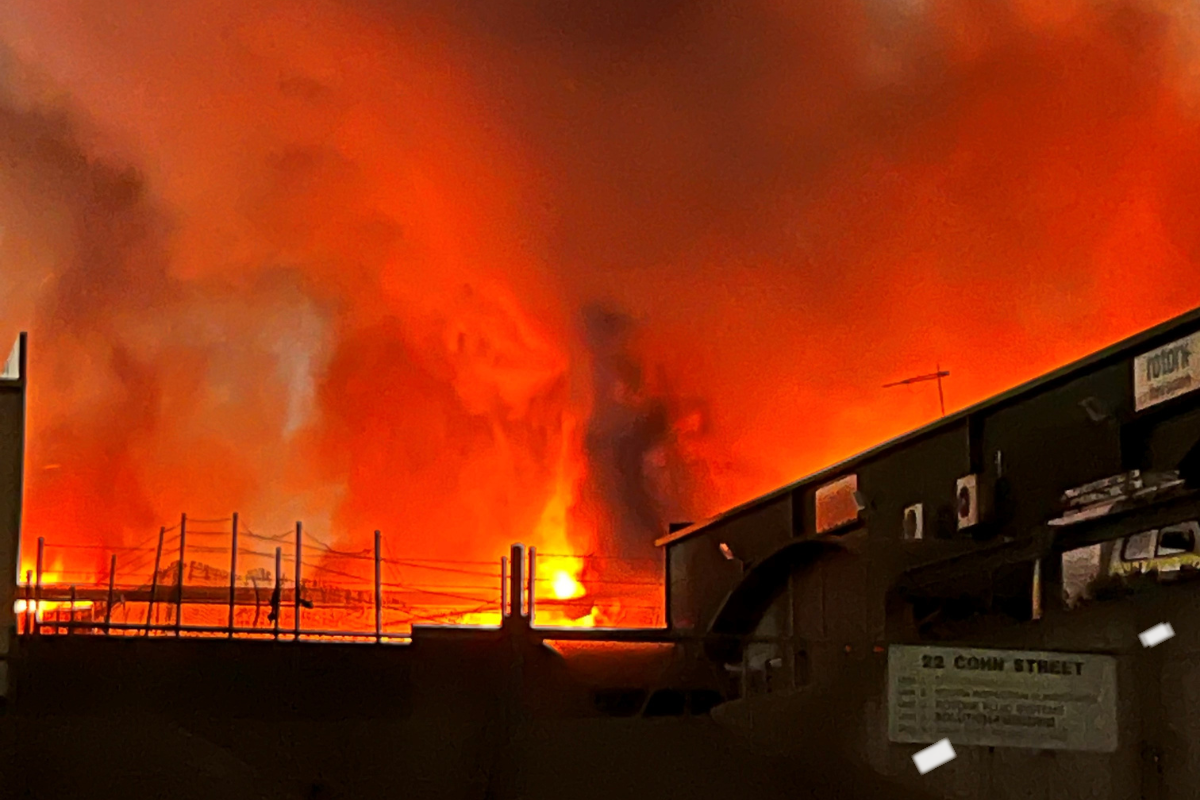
{"points": [[277, 595], [112, 573], [503, 587], [516, 584], [29, 602], [71, 619], [296, 588], [162, 532], [233, 575], [179, 580], [532, 573], [37, 592], [378, 591]]}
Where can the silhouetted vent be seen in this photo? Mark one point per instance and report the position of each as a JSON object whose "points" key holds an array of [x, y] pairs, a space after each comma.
{"points": [[702, 701], [666, 703], [620, 702]]}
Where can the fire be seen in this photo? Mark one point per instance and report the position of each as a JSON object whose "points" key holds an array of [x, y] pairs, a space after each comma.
{"points": [[566, 587], [39, 609], [509, 304]]}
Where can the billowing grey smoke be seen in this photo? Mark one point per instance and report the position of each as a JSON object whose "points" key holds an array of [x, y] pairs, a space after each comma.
{"points": [[628, 440], [107, 263]]}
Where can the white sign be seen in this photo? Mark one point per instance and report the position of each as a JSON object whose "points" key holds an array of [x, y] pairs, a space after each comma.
{"points": [[1002, 698], [1167, 373], [836, 504]]}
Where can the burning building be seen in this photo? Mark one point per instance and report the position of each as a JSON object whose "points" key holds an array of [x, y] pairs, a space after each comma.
{"points": [[957, 555], [549, 273]]}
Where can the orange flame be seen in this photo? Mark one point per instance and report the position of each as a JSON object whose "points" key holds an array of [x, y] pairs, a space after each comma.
{"points": [[323, 262]]}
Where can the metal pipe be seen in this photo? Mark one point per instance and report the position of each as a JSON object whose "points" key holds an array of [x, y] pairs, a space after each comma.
{"points": [[296, 590], [378, 590], [233, 574], [162, 532], [277, 596], [179, 596], [37, 596], [112, 576]]}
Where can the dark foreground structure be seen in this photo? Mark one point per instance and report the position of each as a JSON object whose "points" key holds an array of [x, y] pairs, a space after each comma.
{"points": [[963, 581]]}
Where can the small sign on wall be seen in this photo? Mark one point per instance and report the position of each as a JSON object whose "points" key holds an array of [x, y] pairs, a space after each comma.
{"points": [[1002, 698], [1166, 373], [836, 504]]}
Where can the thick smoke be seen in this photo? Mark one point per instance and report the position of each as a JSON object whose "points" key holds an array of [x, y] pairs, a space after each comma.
{"points": [[140, 400], [334, 261], [626, 428]]}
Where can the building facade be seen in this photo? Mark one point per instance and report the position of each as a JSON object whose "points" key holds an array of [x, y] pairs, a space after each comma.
{"points": [[971, 532]]}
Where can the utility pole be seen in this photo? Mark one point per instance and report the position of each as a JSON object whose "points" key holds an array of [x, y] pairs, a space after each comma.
{"points": [[933, 376]]}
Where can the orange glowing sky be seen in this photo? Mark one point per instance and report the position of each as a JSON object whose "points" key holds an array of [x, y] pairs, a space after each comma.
{"points": [[555, 272]]}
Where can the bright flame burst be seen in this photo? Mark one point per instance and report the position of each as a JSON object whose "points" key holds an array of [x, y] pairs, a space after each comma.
{"points": [[566, 587]]}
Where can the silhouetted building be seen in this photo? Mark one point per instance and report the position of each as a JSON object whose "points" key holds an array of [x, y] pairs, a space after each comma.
{"points": [[983, 528]]}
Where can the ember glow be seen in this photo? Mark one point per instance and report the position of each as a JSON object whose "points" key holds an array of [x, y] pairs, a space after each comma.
{"points": [[550, 273]]}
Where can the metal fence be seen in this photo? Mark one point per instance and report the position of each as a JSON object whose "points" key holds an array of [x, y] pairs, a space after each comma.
{"points": [[193, 579]]}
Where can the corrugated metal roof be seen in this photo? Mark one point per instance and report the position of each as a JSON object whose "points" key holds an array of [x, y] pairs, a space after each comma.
{"points": [[1127, 348]]}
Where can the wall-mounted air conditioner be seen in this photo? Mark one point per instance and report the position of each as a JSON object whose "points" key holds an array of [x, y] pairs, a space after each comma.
{"points": [[914, 522], [969, 502]]}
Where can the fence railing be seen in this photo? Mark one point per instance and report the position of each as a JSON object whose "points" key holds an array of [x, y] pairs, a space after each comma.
{"points": [[192, 580]]}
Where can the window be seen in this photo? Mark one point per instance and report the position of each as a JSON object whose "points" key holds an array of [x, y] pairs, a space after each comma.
{"points": [[666, 703], [1177, 539], [1139, 547]]}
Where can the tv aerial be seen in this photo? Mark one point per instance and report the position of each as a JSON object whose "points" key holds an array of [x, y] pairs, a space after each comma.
{"points": [[933, 376]]}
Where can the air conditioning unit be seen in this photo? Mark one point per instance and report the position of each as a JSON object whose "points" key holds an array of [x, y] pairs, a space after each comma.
{"points": [[914, 522], [969, 502]]}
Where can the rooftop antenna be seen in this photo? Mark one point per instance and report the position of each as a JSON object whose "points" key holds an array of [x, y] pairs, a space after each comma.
{"points": [[933, 376]]}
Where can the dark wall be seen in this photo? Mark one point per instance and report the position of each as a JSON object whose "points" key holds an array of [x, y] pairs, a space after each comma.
{"points": [[1027, 447], [470, 718], [924, 472], [701, 576], [1049, 444], [12, 462]]}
